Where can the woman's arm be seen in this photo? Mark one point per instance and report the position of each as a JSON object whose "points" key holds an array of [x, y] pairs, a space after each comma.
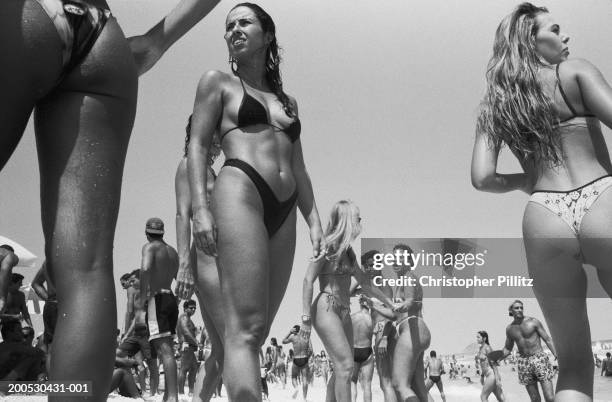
{"points": [[306, 202], [207, 112], [311, 274], [366, 284], [484, 170], [38, 282], [595, 91], [148, 48], [185, 277]]}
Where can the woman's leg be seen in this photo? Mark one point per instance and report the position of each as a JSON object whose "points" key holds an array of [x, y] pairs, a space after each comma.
{"points": [[555, 264], [488, 385], [337, 337], [211, 306], [413, 339], [82, 132], [596, 238], [244, 267], [281, 251]]}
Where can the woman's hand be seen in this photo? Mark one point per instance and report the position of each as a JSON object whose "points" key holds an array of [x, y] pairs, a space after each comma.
{"points": [[146, 52], [185, 283], [527, 185], [319, 247], [205, 231], [382, 347]]}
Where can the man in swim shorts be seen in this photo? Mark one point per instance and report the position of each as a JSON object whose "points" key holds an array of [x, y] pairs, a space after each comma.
{"points": [[8, 260], [534, 365], [186, 331], [436, 369], [302, 350], [159, 268], [363, 355]]}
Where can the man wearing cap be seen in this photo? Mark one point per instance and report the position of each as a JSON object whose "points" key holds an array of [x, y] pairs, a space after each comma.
{"points": [[8, 260], [16, 301], [159, 268]]}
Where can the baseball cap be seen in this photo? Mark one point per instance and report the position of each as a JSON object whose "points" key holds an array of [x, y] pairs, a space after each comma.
{"points": [[155, 226]]}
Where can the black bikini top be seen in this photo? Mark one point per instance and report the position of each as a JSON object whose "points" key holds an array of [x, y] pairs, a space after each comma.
{"points": [[252, 112]]}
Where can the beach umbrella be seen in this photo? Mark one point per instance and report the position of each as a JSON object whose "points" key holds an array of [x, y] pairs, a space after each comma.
{"points": [[26, 258]]}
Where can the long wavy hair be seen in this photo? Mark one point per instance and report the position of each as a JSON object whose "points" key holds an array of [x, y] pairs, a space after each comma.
{"points": [[341, 229], [273, 59], [515, 110], [485, 336]]}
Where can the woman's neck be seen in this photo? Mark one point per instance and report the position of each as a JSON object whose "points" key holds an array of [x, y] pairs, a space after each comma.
{"points": [[253, 74]]}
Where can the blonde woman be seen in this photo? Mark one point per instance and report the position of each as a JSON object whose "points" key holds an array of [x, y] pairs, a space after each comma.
{"points": [[547, 109], [330, 311]]}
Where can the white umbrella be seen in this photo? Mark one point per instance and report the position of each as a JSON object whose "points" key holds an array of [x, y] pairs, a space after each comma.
{"points": [[26, 258]]}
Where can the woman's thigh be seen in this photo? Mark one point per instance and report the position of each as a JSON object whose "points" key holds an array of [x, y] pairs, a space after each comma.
{"points": [[281, 251], [334, 332], [209, 294], [242, 246], [31, 65]]}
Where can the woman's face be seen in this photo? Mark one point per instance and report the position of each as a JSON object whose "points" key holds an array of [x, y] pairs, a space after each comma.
{"points": [[356, 222], [244, 33], [551, 43], [479, 338]]}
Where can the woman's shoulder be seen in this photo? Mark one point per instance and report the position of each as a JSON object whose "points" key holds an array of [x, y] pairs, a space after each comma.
{"points": [[577, 68], [213, 79]]}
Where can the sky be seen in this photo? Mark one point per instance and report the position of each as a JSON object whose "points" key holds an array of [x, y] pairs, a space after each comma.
{"points": [[387, 93]]}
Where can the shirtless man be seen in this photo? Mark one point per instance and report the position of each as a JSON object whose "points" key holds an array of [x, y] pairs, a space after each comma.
{"points": [[159, 268], [302, 350], [363, 355], [186, 331], [129, 290], [436, 369], [533, 364], [16, 301], [136, 338], [8, 260], [384, 332]]}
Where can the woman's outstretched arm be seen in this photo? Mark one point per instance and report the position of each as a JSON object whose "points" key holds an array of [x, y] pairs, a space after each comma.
{"points": [[185, 276], [149, 48]]}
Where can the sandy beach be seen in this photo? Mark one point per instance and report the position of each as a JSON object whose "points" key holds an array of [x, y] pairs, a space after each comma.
{"points": [[456, 390]]}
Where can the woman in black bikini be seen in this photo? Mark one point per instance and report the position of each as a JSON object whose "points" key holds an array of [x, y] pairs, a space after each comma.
{"points": [[547, 110], [69, 61], [253, 202], [331, 308]]}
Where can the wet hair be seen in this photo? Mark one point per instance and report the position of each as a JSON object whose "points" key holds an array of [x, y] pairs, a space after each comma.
{"points": [[7, 247], [215, 146], [367, 255], [135, 273], [512, 305], [515, 110], [297, 327], [189, 303], [15, 277], [432, 353], [485, 336], [273, 59], [126, 276], [341, 229]]}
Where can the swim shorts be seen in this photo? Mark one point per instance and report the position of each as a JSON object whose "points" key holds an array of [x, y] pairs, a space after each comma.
{"points": [[535, 368]]}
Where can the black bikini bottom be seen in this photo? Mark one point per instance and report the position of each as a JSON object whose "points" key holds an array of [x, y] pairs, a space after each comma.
{"points": [[275, 211], [360, 355]]}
